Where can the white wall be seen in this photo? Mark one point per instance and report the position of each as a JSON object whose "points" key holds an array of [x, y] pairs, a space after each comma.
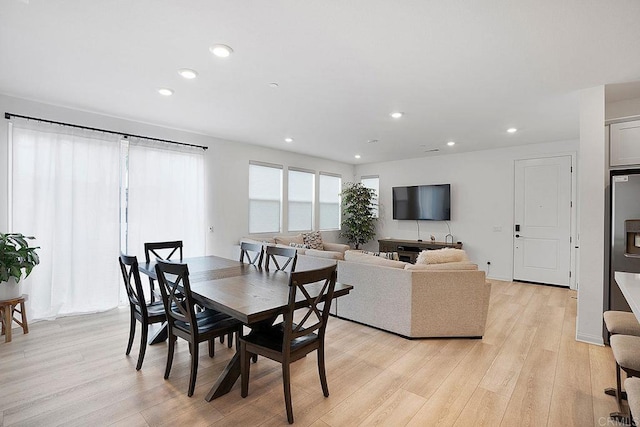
{"points": [[226, 163], [482, 199], [592, 181]]}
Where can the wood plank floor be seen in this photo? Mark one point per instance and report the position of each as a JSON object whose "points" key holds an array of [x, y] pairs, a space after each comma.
{"points": [[528, 370]]}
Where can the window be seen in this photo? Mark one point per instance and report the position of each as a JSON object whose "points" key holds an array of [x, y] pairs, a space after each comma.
{"points": [[265, 198], [329, 198], [373, 182], [300, 200]]}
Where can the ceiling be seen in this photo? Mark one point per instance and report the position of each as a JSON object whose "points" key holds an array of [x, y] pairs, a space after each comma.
{"points": [[460, 70]]}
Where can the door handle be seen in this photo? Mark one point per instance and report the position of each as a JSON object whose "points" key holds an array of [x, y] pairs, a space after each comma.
{"points": [[517, 236]]}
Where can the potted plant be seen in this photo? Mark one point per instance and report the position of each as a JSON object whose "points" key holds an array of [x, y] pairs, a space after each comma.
{"points": [[359, 222], [16, 258]]}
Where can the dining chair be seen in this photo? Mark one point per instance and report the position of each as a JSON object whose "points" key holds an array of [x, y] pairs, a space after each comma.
{"points": [[161, 250], [273, 252], [141, 311], [287, 341], [184, 321], [253, 252]]}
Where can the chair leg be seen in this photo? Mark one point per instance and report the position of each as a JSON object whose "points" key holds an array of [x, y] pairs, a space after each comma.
{"points": [[171, 343], [322, 372], [245, 367], [212, 347], [132, 333], [143, 345], [194, 369], [230, 340], [286, 382]]}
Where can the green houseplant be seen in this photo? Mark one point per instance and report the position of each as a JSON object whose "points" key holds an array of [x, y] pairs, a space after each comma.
{"points": [[16, 258], [358, 222]]}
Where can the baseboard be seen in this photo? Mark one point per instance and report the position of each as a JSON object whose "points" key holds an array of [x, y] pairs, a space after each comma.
{"points": [[590, 339]]}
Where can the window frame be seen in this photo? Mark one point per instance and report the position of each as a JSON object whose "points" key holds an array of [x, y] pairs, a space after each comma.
{"points": [[339, 224], [313, 199], [280, 200]]}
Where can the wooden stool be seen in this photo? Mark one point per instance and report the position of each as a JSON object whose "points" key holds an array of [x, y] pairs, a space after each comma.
{"points": [[7, 309]]}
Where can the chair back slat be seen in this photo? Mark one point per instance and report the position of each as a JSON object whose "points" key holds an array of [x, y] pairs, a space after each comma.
{"points": [[132, 283], [247, 248], [315, 308], [163, 250], [290, 254], [176, 293]]}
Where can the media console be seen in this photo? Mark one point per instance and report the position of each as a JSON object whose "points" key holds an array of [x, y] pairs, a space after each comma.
{"points": [[408, 250]]}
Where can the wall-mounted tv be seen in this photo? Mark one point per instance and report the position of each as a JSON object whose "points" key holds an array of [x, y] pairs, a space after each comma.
{"points": [[422, 202]]}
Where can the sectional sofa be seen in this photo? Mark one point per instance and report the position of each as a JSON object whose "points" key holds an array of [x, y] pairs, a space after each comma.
{"points": [[414, 301]]}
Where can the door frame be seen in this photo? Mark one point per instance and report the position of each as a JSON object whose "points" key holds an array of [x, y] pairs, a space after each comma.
{"points": [[574, 255]]}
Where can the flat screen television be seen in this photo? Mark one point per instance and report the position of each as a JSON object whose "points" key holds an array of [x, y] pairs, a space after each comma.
{"points": [[422, 202]]}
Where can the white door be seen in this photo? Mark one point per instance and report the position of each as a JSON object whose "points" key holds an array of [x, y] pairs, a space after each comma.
{"points": [[542, 232]]}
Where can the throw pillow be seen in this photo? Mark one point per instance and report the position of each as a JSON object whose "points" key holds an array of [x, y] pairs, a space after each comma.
{"points": [[299, 245], [313, 240], [388, 255], [440, 256]]}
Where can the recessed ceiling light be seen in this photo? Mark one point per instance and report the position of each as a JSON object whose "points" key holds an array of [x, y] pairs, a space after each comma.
{"points": [[357, 156], [396, 114], [288, 140], [273, 85], [165, 91], [221, 50], [188, 73], [451, 143], [512, 130]]}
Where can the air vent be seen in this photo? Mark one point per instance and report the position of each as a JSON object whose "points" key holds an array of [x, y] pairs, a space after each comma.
{"points": [[433, 150]]}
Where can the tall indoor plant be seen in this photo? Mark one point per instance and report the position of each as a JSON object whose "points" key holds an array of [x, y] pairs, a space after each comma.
{"points": [[17, 258], [358, 221]]}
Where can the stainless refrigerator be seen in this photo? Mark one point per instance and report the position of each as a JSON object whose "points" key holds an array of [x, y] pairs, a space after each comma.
{"points": [[625, 205]]}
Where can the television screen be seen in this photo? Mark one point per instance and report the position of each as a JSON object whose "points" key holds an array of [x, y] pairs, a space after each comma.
{"points": [[422, 202]]}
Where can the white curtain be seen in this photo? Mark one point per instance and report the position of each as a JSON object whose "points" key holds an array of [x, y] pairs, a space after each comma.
{"points": [[166, 196], [65, 186]]}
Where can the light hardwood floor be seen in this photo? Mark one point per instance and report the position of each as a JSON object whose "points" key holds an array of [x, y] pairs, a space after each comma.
{"points": [[528, 370]]}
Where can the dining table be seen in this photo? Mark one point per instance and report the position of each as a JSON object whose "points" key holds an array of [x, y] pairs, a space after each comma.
{"points": [[245, 292]]}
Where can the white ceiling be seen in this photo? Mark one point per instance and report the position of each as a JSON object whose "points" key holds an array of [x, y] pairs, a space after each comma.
{"points": [[462, 70]]}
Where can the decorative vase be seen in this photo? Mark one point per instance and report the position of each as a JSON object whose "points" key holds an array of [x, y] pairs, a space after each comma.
{"points": [[10, 289]]}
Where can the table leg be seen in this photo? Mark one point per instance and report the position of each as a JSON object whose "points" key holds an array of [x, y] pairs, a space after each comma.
{"points": [[226, 380], [160, 335]]}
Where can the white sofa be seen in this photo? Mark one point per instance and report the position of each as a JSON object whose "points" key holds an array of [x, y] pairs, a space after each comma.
{"points": [[415, 303], [333, 251]]}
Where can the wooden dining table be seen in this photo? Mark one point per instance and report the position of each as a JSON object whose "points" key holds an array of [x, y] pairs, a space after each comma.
{"points": [[242, 291]]}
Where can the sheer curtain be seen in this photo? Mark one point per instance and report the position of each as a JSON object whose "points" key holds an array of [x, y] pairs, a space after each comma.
{"points": [[65, 186], [165, 197]]}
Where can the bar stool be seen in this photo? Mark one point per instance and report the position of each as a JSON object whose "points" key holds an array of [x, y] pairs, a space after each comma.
{"points": [[625, 323], [626, 352], [7, 310], [633, 391]]}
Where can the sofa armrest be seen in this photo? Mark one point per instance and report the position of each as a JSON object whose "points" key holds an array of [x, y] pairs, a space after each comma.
{"points": [[335, 247]]}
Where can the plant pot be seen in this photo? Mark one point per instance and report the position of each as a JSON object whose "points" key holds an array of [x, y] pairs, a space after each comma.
{"points": [[10, 289]]}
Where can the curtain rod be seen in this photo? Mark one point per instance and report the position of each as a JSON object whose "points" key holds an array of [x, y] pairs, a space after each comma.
{"points": [[9, 115]]}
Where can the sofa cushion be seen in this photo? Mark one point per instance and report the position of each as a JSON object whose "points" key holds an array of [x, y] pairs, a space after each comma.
{"points": [[335, 247], [313, 240], [444, 266], [299, 251], [440, 256], [266, 241], [324, 254], [361, 258], [286, 240]]}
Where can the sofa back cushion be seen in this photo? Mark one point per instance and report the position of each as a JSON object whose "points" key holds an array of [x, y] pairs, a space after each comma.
{"points": [[440, 256], [362, 258], [287, 240]]}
